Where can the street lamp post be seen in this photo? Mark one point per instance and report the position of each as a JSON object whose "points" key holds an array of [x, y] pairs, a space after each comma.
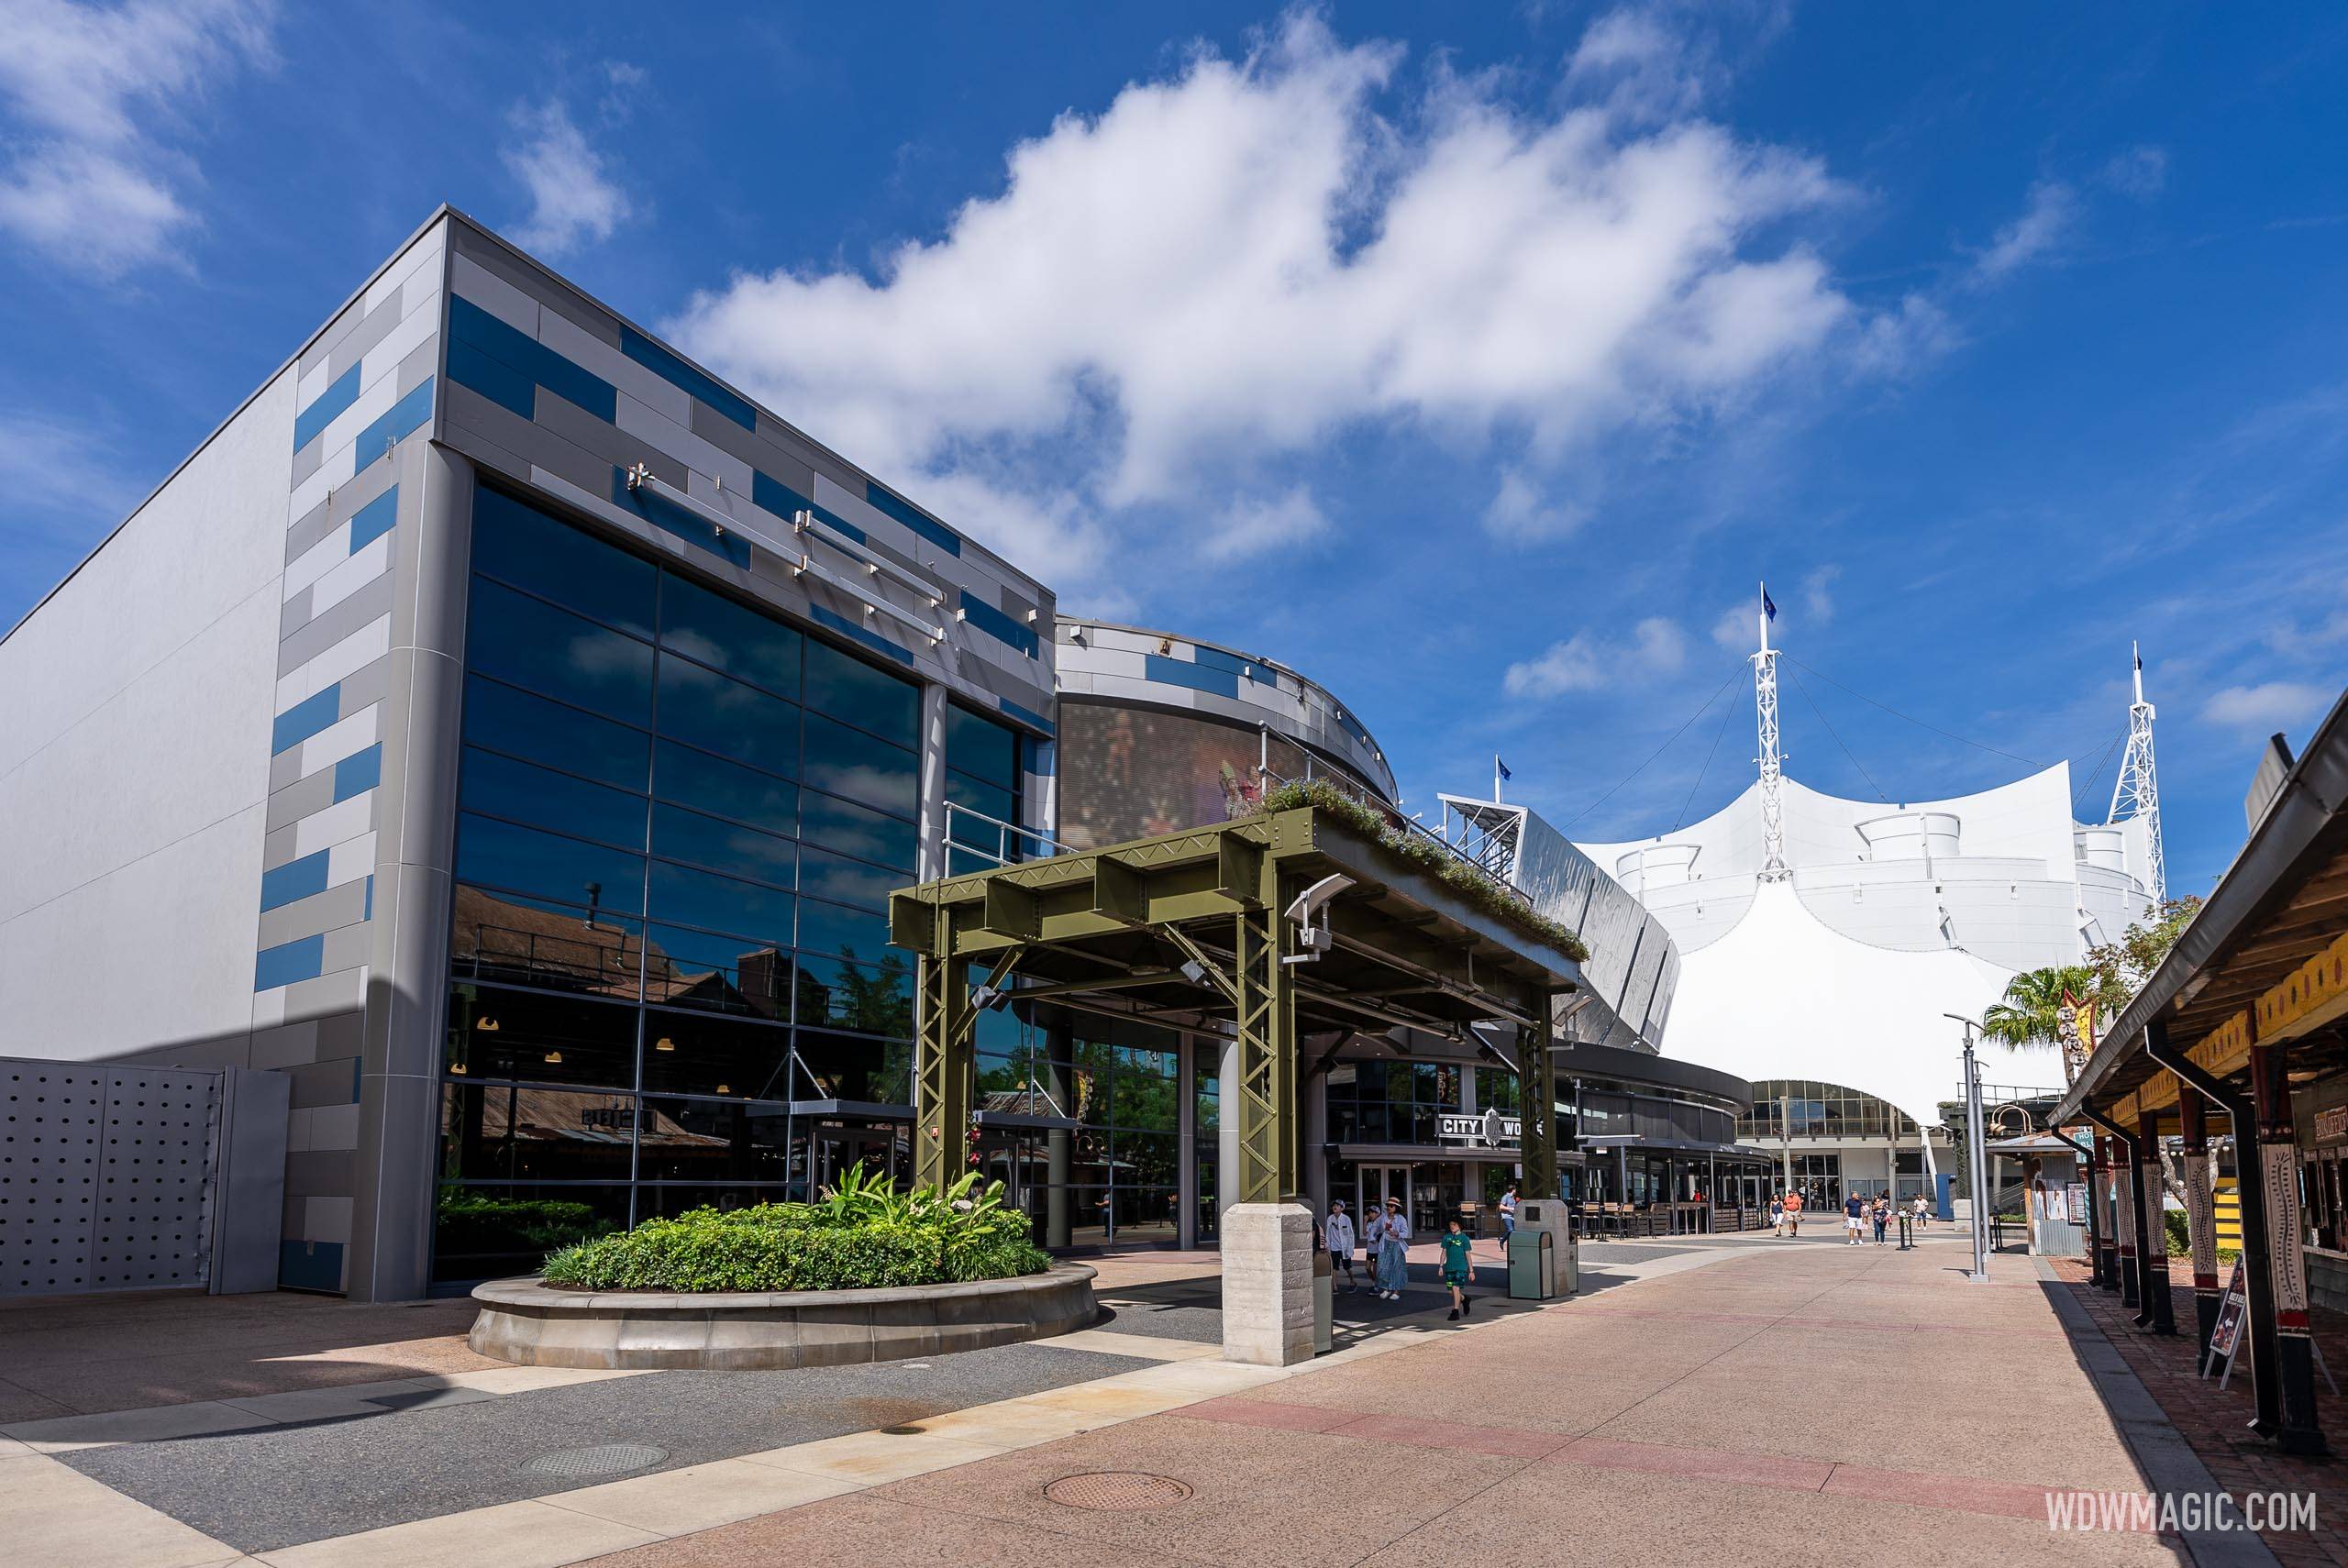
{"points": [[1976, 1153]]}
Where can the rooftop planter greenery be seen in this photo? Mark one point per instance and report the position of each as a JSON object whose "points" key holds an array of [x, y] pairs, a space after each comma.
{"points": [[863, 1235], [1470, 884]]}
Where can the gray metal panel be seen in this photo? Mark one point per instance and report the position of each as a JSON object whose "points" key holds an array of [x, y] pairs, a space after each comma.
{"points": [[110, 1178], [249, 1208]]}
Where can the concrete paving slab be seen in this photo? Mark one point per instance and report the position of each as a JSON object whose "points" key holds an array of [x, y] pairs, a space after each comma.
{"points": [[699, 1496], [850, 1530], [515, 1535], [51, 1516], [870, 1458]]}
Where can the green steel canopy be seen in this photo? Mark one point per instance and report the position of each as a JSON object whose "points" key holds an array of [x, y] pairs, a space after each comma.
{"points": [[1209, 923]]}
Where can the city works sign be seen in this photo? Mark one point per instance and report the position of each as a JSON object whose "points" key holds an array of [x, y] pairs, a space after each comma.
{"points": [[1492, 1129]]}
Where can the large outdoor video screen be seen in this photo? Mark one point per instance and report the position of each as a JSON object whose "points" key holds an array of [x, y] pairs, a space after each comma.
{"points": [[1127, 773]]}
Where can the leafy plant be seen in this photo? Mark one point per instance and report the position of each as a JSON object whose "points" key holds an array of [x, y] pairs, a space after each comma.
{"points": [[862, 1233], [1472, 884], [2121, 967], [470, 1223]]}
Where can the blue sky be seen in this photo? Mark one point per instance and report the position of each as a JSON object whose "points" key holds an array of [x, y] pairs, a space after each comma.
{"points": [[1475, 361]]}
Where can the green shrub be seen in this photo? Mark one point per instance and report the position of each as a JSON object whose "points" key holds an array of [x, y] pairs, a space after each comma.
{"points": [[862, 1235], [1471, 884], [2180, 1242]]}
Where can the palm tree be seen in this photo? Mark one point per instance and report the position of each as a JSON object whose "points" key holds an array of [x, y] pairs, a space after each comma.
{"points": [[2032, 1013]]}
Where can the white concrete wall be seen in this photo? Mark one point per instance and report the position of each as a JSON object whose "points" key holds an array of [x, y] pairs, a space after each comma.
{"points": [[135, 709]]}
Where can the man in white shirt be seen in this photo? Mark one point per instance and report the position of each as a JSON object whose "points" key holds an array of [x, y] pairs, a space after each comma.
{"points": [[1337, 1234]]}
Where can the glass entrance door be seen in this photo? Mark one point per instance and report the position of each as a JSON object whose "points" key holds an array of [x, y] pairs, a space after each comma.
{"points": [[1379, 1183], [880, 1150]]}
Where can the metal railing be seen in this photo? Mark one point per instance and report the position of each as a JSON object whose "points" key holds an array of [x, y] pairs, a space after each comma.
{"points": [[1410, 827], [1007, 837]]}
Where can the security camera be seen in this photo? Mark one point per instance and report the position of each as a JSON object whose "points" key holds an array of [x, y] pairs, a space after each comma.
{"points": [[990, 998], [1310, 902]]}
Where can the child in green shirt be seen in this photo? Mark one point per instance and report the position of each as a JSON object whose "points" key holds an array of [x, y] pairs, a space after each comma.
{"points": [[1455, 1245]]}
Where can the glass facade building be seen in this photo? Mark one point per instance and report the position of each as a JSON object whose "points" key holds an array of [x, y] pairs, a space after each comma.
{"points": [[680, 820]]}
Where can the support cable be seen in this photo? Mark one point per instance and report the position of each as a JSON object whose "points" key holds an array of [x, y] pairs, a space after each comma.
{"points": [[1838, 739], [1658, 751], [2087, 791], [1919, 723], [1726, 714]]}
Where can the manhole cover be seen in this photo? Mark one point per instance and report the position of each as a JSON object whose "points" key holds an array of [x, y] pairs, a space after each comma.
{"points": [[1117, 1491], [608, 1460]]}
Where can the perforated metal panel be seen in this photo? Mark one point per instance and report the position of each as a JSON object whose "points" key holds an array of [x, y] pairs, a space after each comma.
{"points": [[106, 1177]]}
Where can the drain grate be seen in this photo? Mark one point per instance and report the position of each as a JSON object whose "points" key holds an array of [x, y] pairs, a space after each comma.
{"points": [[608, 1460], [1117, 1491]]}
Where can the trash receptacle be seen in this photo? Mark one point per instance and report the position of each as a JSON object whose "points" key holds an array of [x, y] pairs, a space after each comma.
{"points": [[1532, 1266], [1324, 1310]]}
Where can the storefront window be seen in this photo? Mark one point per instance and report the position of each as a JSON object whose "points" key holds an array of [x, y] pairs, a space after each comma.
{"points": [[679, 818]]}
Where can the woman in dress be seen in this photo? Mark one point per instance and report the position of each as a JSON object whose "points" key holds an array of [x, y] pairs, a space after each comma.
{"points": [[1393, 1252]]}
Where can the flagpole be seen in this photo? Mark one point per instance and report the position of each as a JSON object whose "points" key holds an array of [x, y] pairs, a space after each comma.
{"points": [[1496, 779], [1763, 616]]}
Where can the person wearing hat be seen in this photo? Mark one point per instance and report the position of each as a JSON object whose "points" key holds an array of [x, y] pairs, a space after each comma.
{"points": [[1393, 1252], [1337, 1234]]}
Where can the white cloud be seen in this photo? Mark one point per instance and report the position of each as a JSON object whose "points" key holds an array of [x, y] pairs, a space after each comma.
{"points": [[2269, 705], [94, 96], [573, 200], [1584, 663], [1251, 527], [2044, 224], [2138, 171], [1229, 265], [1523, 511], [1738, 629], [1818, 594]]}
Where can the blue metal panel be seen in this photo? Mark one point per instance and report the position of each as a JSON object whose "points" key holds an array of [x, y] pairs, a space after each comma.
{"points": [[309, 1266], [511, 389], [849, 629], [1197, 677], [358, 772], [284, 966], [986, 618], [294, 881], [905, 511], [1027, 715], [779, 498], [340, 393], [405, 415], [677, 373], [305, 719], [469, 323], [374, 520]]}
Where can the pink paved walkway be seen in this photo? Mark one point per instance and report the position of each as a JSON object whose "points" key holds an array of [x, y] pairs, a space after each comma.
{"points": [[1800, 1405]]}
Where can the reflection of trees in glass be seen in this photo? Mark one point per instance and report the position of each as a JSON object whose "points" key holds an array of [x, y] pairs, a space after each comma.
{"points": [[878, 1001]]}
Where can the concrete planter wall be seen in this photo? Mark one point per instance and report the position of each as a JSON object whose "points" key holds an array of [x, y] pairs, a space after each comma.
{"points": [[529, 1323]]}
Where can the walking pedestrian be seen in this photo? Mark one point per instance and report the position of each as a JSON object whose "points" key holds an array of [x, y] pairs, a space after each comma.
{"points": [[1882, 1216], [1921, 1211], [1456, 1272], [1508, 1217], [1393, 1252], [1339, 1235], [1778, 1216], [1853, 1211], [1793, 1212]]}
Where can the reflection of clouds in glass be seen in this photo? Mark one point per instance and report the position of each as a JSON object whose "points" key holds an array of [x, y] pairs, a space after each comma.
{"points": [[863, 782], [849, 883], [693, 645], [600, 655]]}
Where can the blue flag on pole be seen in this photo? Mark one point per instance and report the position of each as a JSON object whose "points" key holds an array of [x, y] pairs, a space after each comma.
{"points": [[1501, 767], [1768, 605]]}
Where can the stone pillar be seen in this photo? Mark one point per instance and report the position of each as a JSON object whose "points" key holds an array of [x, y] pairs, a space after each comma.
{"points": [[1267, 1283], [2278, 1174], [414, 898], [2200, 1216], [2159, 1313]]}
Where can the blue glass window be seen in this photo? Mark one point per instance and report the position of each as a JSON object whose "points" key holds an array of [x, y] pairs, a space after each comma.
{"points": [[726, 788], [851, 763], [681, 834], [521, 545], [847, 688], [502, 855], [729, 636], [543, 649], [725, 716], [505, 788], [720, 903]]}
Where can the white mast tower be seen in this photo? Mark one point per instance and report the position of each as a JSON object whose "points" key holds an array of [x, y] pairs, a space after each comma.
{"points": [[1772, 808], [2137, 792]]}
